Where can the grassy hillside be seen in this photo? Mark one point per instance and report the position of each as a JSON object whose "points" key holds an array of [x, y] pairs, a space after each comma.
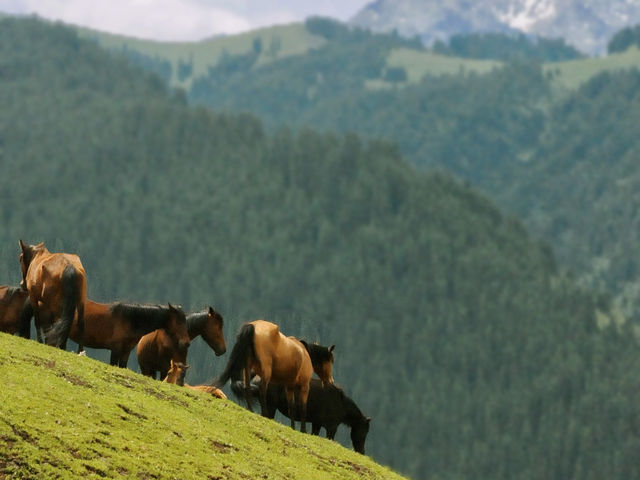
{"points": [[64, 416], [275, 43]]}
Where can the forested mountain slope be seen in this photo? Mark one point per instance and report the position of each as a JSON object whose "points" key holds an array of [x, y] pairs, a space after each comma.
{"points": [[454, 330]]}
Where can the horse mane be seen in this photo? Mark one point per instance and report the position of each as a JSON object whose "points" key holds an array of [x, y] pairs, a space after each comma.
{"points": [[195, 322], [142, 317], [353, 413]]}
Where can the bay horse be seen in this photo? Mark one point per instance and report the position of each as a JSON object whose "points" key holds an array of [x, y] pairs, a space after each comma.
{"points": [[177, 372], [57, 288], [261, 347], [327, 407], [119, 326], [157, 349], [15, 311]]}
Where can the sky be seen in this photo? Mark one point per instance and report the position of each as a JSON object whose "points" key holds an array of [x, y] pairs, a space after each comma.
{"points": [[181, 20]]}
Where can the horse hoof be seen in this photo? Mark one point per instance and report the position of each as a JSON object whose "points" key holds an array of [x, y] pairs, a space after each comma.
{"points": [[82, 354]]}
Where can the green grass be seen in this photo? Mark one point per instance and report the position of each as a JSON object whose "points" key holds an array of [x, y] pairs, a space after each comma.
{"points": [[64, 416], [417, 64], [277, 42], [571, 74]]}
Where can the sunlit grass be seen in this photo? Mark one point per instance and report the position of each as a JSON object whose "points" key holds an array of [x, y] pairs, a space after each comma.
{"points": [[64, 416]]}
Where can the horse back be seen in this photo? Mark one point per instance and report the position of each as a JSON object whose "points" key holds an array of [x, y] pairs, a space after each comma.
{"points": [[99, 327], [45, 274], [12, 300], [285, 357]]}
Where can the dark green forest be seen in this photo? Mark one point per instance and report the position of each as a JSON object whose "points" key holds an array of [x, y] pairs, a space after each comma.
{"points": [[454, 328], [501, 46], [559, 160]]}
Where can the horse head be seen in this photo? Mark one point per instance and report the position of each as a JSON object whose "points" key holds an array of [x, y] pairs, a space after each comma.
{"points": [[177, 372], [359, 432], [27, 254], [322, 361], [176, 327], [212, 332]]}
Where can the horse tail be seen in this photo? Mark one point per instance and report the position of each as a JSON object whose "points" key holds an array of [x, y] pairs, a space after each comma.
{"points": [[238, 358], [70, 301], [26, 312]]}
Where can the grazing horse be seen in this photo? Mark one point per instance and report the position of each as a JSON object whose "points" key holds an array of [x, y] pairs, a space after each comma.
{"points": [[327, 407], [157, 349], [119, 326], [176, 374], [57, 287], [286, 361], [15, 311]]}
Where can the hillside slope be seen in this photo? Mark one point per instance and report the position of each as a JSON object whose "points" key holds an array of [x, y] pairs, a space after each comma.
{"points": [[64, 416]]}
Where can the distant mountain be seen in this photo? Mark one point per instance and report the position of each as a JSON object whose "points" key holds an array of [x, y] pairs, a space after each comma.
{"points": [[586, 24]]}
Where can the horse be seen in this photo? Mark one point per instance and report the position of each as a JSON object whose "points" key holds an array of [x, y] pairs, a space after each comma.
{"points": [[119, 326], [176, 374], [156, 349], [15, 311], [327, 407], [286, 361], [57, 287]]}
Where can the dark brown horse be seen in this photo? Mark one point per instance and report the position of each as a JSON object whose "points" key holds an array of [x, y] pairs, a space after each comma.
{"points": [[119, 326], [286, 361], [157, 349], [177, 372], [57, 287], [15, 311], [327, 407]]}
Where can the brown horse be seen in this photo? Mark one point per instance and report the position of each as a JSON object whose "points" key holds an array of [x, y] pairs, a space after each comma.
{"points": [[57, 288], [157, 349], [15, 311], [119, 326], [286, 361], [177, 372]]}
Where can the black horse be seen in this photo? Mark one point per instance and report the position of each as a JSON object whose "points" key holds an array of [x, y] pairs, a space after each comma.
{"points": [[327, 407]]}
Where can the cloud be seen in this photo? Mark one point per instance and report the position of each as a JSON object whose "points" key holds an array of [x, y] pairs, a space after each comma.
{"points": [[180, 20], [159, 19]]}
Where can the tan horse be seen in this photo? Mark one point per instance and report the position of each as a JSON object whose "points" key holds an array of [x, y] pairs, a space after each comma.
{"points": [[15, 311], [177, 372], [119, 326], [157, 349], [286, 361], [57, 287]]}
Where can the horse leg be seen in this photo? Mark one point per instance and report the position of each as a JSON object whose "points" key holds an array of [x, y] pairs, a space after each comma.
{"points": [[124, 359], [315, 428], [331, 431], [80, 309], [303, 395], [115, 355], [291, 405], [264, 385], [246, 387]]}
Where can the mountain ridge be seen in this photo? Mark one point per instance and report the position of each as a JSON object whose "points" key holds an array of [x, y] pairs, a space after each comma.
{"points": [[586, 25]]}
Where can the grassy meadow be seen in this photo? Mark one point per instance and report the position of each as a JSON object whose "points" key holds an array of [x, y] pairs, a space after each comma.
{"points": [[64, 416]]}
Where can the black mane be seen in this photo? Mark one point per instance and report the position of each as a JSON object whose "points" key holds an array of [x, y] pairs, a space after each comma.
{"points": [[195, 322], [142, 317]]}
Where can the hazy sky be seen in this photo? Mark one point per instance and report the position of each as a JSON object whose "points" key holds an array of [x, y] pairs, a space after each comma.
{"points": [[181, 19]]}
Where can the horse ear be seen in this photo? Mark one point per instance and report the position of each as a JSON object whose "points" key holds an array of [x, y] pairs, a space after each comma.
{"points": [[171, 307], [331, 348], [23, 246], [172, 363], [186, 365], [211, 311], [368, 419], [306, 345]]}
